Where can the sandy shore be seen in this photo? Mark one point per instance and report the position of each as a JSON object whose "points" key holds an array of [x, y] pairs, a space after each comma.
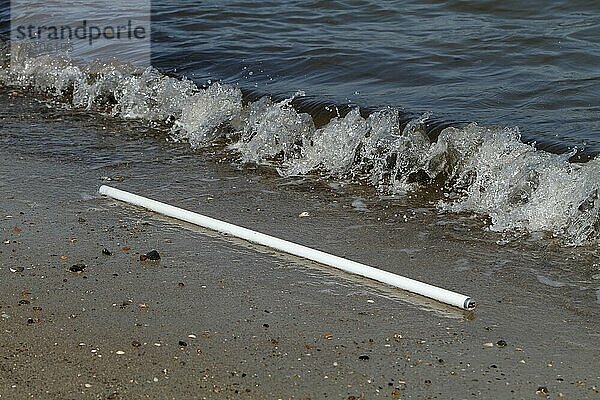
{"points": [[217, 318]]}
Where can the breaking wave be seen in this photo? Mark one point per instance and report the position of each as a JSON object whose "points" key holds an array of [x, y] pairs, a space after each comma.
{"points": [[483, 169]]}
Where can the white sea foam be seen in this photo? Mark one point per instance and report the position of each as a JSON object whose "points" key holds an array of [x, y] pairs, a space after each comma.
{"points": [[205, 112], [331, 148], [269, 130], [490, 171]]}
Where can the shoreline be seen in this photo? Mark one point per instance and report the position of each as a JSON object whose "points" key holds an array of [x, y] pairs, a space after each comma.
{"points": [[264, 325]]}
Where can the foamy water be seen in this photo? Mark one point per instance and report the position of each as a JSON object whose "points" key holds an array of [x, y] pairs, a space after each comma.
{"points": [[483, 169]]}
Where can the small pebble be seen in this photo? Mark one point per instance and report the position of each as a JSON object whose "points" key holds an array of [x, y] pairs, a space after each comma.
{"points": [[363, 357], [304, 214], [488, 344], [182, 343], [192, 336], [542, 391], [106, 252], [87, 385], [150, 256], [135, 343], [120, 352], [501, 343], [17, 269], [77, 268]]}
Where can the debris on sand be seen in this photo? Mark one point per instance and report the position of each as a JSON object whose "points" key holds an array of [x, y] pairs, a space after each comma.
{"points": [[150, 256], [542, 391], [77, 268]]}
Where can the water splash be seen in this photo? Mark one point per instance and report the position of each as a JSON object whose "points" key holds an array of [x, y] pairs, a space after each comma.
{"points": [[490, 171], [269, 130], [486, 170], [204, 113], [331, 148]]}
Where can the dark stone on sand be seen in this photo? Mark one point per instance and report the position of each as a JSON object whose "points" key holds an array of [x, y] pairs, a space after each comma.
{"points": [[135, 343], [363, 357], [106, 252], [19, 269], [501, 343], [77, 268], [150, 256], [182, 343], [23, 301]]}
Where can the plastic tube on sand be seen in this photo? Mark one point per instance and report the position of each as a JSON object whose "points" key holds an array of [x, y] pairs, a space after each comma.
{"points": [[411, 285]]}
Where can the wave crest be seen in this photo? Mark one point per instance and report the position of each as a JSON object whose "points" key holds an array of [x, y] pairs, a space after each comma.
{"points": [[486, 170]]}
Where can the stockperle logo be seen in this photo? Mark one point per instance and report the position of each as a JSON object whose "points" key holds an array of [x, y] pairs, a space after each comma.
{"points": [[81, 30]]}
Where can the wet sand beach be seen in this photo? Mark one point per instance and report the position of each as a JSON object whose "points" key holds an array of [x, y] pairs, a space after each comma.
{"points": [[217, 318]]}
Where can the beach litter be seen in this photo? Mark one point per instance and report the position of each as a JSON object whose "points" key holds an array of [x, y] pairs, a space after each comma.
{"points": [[352, 267]]}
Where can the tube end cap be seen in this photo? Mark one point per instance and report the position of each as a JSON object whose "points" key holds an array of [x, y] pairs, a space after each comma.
{"points": [[469, 304]]}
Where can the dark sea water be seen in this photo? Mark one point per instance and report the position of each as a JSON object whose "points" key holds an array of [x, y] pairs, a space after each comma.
{"points": [[491, 108], [533, 64]]}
